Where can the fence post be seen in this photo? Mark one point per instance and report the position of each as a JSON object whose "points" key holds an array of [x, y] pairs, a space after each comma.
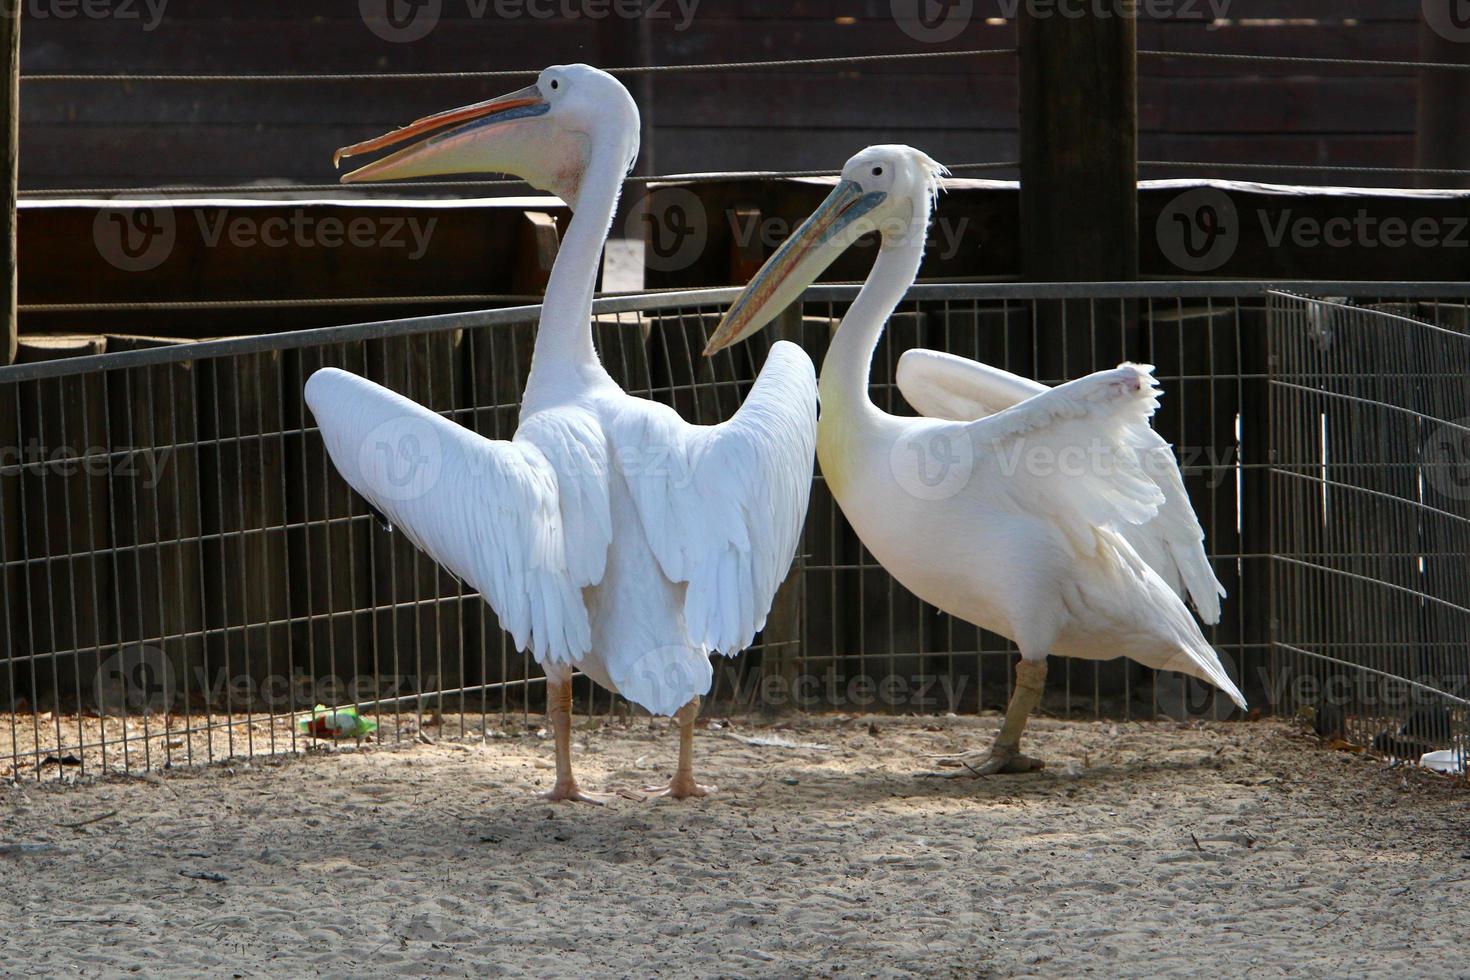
{"points": [[1079, 200], [1444, 110], [1079, 145], [10, 11]]}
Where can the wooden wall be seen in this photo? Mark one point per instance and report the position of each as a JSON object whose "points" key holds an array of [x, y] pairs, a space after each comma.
{"points": [[289, 254], [975, 233], [960, 110]]}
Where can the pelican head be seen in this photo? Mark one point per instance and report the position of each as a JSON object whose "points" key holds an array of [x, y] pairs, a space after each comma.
{"points": [[545, 133], [889, 189]]}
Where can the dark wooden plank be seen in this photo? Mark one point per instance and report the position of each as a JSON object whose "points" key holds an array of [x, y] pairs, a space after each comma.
{"points": [[297, 44], [1267, 105], [1330, 149], [974, 231], [1079, 148], [912, 101], [1376, 41], [1444, 111], [241, 251], [701, 149], [9, 179], [1264, 235]]}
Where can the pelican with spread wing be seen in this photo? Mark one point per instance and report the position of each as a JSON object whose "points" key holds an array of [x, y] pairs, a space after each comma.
{"points": [[1054, 516], [608, 535]]}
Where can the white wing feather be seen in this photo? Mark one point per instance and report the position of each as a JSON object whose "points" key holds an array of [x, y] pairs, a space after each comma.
{"points": [[523, 522], [944, 386], [724, 510], [1066, 454]]}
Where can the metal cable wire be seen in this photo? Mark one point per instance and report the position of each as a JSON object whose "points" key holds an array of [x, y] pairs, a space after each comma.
{"points": [[305, 301], [730, 66], [524, 73], [1304, 60], [446, 184], [1306, 167]]}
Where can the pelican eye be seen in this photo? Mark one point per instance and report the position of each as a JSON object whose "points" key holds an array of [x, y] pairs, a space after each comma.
{"points": [[877, 171]]}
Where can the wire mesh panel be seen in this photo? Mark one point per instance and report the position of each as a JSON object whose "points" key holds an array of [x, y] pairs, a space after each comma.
{"points": [[185, 575], [868, 644], [1371, 532]]}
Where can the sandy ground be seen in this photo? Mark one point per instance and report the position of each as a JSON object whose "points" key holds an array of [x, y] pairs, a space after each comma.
{"points": [[1144, 849]]}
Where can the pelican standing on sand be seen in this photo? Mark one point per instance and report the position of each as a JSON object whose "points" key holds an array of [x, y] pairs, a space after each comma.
{"points": [[1056, 517], [610, 536]]}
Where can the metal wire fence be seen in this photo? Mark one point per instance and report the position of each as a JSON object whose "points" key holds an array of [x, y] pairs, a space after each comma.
{"points": [[183, 575], [1371, 537]]}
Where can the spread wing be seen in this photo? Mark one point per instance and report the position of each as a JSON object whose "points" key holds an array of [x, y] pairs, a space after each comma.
{"points": [[499, 515], [1066, 455], [944, 386], [725, 511]]}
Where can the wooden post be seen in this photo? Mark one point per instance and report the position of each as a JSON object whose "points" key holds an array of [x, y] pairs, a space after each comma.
{"points": [[1079, 146], [1079, 194], [627, 42], [1444, 109], [10, 11]]}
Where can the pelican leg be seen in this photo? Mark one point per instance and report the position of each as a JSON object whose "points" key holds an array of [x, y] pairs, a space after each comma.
{"points": [[1005, 754], [683, 786], [559, 719]]}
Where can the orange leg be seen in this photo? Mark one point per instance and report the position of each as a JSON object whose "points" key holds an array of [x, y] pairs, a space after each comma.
{"points": [[683, 786], [559, 718]]}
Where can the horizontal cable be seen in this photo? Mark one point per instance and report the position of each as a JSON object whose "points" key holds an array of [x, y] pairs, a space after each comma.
{"points": [[1305, 60], [1306, 167], [434, 184], [246, 303], [1372, 670], [859, 59]]}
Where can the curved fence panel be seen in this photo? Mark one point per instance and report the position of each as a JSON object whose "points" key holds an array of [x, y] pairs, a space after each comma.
{"points": [[1370, 474]]}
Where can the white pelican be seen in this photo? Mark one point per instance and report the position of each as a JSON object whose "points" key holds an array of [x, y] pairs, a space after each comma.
{"points": [[1035, 513], [608, 535]]}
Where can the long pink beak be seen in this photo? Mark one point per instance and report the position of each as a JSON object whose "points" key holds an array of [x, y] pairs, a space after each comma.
{"points": [[517, 105]]}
